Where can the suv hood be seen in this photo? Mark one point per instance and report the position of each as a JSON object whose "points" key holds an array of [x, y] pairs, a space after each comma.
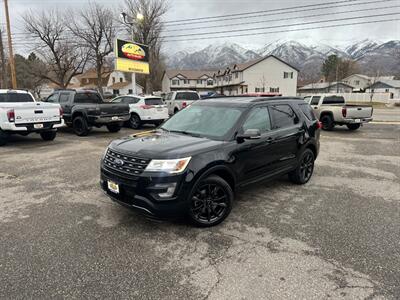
{"points": [[162, 145]]}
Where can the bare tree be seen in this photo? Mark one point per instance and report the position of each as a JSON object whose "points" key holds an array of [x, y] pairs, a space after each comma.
{"points": [[148, 31], [95, 31], [62, 59]]}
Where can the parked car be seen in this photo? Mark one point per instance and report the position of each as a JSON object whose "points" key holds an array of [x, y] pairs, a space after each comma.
{"points": [[21, 114], [332, 110], [195, 161], [178, 100], [85, 109], [144, 110]]}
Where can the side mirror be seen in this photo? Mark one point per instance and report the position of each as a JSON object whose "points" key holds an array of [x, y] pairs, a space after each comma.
{"points": [[249, 134]]}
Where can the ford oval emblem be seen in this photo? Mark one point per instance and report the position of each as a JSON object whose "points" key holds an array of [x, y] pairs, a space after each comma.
{"points": [[119, 162]]}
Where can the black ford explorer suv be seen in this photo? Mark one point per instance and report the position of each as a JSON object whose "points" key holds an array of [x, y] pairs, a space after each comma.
{"points": [[194, 162], [85, 108]]}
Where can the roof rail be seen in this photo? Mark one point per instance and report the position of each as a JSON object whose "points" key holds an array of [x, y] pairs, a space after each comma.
{"points": [[261, 99]]}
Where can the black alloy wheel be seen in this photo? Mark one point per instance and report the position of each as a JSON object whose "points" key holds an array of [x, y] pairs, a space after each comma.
{"points": [[135, 121], [327, 123], [211, 202], [80, 126], [305, 169]]}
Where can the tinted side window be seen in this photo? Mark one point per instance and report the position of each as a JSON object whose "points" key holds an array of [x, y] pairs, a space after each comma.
{"points": [[64, 97], [258, 119], [15, 97], [117, 100], [333, 100], [130, 100], [87, 98], [307, 99], [307, 111], [315, 100], [282, 116], [187, 96]]}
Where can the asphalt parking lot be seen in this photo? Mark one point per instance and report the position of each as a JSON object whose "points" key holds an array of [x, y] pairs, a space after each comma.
{"points": [[336, 237]]}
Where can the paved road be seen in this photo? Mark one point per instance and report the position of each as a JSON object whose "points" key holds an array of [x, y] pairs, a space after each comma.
{"points": [[336, 237], [387, 114]]}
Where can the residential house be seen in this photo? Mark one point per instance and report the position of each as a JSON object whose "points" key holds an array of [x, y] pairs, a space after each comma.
{"points": [[360, 82], [175, 80], [386, 86], [324, 87], [268, 74]]}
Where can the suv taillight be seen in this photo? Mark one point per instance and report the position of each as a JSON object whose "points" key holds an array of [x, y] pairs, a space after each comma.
{"points": [[146, 106], [184, 104], [11, 115], [319, 124], [344, 112]]}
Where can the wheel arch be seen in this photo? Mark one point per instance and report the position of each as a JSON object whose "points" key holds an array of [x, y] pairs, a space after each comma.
{"points": [[221, 171]]}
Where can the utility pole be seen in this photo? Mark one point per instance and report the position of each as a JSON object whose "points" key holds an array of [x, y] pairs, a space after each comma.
{"points": [[10, 49], [3, 83]]}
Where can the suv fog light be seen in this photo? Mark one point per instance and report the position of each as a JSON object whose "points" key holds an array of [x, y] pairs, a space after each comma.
{"points": [[168, 189]]}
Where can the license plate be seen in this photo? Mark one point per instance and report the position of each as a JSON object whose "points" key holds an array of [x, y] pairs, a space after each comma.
{"points": [[114, 118], [357, 120], [113, 187], [37, 126]]}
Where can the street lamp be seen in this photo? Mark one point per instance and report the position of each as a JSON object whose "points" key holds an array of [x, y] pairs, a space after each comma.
{"points": [[129, 20]]}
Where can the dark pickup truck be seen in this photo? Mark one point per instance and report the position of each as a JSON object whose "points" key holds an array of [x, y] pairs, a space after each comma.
{"points": [[85, 109]]}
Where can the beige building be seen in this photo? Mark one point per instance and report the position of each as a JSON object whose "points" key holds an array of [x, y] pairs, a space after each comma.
{"points": [[268, 74], [360, 82]]}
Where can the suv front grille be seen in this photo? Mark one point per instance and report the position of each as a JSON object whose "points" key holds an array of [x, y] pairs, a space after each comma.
{"points": [[124, 164]]}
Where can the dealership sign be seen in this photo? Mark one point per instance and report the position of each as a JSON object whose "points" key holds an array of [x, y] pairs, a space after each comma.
{"points": [[131, 57]]}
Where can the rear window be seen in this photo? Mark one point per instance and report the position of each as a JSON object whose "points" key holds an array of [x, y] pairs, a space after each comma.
{"points": [[333, 100], [187, 96], [153, 101], [307, 111], [87, 98], [16, 97]]}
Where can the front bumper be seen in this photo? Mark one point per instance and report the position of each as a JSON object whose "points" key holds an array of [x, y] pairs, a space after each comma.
{"points": [[141, 193], [109, 119], [29, 127]]}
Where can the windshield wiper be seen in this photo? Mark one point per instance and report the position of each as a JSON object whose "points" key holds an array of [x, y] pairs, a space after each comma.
{"points": [[186, 133]]}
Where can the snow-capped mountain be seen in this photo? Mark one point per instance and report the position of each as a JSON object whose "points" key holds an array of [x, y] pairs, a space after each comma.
{"points": [[308, 58]]}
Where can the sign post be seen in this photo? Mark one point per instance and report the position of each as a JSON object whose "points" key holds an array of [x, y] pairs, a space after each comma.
{"points": [[133, 58]]}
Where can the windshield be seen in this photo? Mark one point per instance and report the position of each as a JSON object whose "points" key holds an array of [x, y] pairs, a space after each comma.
{"points": [[205, 121], [16, 97]]}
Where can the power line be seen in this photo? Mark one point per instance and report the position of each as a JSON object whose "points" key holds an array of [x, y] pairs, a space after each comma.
{"points": [[283, 31], [269, 13], [285, 19], [250, 13], [279, 26]]}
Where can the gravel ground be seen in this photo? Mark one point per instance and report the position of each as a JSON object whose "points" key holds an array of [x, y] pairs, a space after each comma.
{"points": [[336, 237]]}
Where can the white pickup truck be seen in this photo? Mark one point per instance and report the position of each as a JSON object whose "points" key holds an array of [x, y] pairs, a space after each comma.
{"points": [[178, 100], [21, 114], [332, 110]]}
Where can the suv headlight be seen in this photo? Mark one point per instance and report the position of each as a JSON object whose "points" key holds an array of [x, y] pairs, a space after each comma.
{"points": [[171, 166]]}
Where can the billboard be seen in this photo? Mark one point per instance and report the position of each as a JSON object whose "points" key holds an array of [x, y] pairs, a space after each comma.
{"points": [[131, 57]]}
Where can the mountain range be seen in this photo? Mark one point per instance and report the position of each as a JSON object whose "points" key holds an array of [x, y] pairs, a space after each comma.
{"points": [[371, 56]]}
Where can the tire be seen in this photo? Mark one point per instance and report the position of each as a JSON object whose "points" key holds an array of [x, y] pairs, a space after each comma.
{"points": [[80, 126], [135, 122], [210, 201], [353, 126], [327, 123], [113, 127], [176, 111], [3, 138], [158, 123], [48, 135], [302, 174]]}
